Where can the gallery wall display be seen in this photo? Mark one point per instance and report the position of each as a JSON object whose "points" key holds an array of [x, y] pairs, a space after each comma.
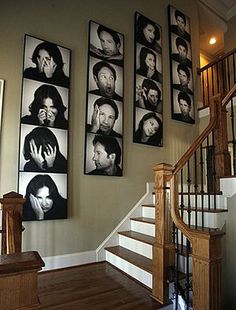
{"points": [[182, 103], [104, 107], [148, 92], [1, 102], [43, 150]]}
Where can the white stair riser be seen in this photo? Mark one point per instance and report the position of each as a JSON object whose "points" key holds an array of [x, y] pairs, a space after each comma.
{"points": [[183, 264], [148, 212], [143, 228], [219, 201], [132, 270], [211, 220], [136, 246]]}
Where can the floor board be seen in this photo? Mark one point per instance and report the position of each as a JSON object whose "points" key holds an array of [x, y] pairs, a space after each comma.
{"points": [[97, 286]]}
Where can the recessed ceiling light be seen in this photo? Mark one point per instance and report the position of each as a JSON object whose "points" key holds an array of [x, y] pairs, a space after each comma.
{"points": [[212, 41]]}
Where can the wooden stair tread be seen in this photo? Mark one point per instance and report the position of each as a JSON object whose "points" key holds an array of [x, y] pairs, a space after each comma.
{"points": [[204, 210], [143, 219], [150, 205], [199, 194], [138, 236], [132, 257]]}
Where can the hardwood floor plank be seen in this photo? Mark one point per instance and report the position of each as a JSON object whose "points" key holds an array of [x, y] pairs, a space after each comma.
{"points": [[97, 286]]}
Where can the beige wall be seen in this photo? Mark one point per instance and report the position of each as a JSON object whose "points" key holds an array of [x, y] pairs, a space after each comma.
{"points": [[96, 204], [230, 38]]}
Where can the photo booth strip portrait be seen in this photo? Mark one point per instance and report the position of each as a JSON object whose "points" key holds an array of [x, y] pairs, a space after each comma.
{"points": [[46, 62], [105, 79], [43, 149], [182, 92], [106, 44], [179, 23], [148, 93], [103, 155], [103, 151], [183, 108], [46, 196], [148, 127], [44, 104], [104, 116]]}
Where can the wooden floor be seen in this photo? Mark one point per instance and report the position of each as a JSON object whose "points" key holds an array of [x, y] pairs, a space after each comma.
{"points": [[94, 286]]}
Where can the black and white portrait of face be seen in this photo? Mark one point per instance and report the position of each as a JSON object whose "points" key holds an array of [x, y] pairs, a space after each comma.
{"points": [[183, 106], [104, 115], [179, 23], [103, 154], [43, 149], [47, 62], [182, 77], [151, 60], [106, 44], [38, 96], [105, 79]]}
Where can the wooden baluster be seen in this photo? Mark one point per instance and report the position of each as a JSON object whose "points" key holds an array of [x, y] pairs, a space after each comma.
{"points": [[222, 156], [11, 222], [163, 248]]}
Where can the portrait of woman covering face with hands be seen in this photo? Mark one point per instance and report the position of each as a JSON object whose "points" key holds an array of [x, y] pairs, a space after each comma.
{"points": [[47, 62], [44, 130]]}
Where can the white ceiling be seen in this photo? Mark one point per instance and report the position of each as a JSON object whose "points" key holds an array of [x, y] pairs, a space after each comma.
{"points": [[213, 17]]}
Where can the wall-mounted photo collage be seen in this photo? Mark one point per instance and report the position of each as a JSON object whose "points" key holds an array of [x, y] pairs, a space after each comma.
{"points": [[43, 151], [182, 105], [104, 109], [148, 92]]}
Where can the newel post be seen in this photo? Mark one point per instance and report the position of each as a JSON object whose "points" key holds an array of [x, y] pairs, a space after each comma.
{"points": [[207, 260], [11, 222], [163, 248], [222, 156]]}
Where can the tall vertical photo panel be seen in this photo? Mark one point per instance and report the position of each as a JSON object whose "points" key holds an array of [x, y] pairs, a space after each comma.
{"points": [[181, 72], [43, 150], [148, 92], [104, 109]]}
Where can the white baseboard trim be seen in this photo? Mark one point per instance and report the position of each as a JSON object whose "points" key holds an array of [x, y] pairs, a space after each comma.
{"points": [[68, 260]]}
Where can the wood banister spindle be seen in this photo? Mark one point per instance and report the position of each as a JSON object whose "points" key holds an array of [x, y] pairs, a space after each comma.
{"points": [[163, 248], [222, 156], [11, 223]]}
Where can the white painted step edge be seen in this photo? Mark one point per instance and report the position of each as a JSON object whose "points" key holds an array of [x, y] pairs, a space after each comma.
{"points": [[136, 211], [130, 269], [136, 246]]}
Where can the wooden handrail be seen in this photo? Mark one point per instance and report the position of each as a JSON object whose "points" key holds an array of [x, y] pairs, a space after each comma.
{"points": [[229, 96], [212, 63]]}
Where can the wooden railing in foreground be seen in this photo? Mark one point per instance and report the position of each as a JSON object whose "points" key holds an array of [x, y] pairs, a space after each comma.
{"points": [[11, 223], [219, 76], [205, 243]]}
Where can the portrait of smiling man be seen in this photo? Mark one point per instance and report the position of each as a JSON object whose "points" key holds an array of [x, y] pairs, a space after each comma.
{"points": [[105, 78]]}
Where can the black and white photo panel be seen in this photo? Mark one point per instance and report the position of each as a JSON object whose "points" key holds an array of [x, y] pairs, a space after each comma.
{"points": [[44, 118], [103, 155], [181, 67], [43, 149], [44, 104], [46, 62], [106, 44], [104, 107], [148, 92], [46, 196]]}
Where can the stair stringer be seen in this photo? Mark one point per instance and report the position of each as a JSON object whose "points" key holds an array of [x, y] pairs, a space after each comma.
{"points": [[136, 211]]}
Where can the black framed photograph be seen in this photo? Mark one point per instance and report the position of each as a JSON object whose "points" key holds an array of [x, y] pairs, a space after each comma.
{"points": [[181, 69], [148, 91], [46, 196], [104, 104], [44, 118]]}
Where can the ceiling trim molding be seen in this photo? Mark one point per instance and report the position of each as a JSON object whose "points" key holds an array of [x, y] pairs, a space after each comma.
{"points": [[231, 13], [215, 7]]}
